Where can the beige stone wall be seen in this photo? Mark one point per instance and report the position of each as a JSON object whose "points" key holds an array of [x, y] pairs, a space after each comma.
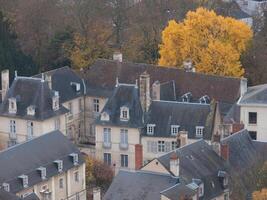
{"points": [[39, 128], [133, 138], [70, 186]]}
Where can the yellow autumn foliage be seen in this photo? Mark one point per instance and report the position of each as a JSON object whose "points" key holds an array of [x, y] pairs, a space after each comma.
{"points": [[260, 195], [214, 43]]}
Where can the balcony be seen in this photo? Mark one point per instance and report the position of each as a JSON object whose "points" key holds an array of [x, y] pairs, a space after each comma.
{"points": [[107, 145], [124, 146]]}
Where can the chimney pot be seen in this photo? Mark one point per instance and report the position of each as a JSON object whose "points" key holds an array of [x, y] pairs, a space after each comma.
{"points": [[5, 83], [225, 152]]}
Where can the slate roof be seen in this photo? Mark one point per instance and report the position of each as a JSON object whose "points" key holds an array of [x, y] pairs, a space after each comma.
{"points": [[187, 115], [8, 196], [167, 91], [233, 116], [26, 157], [179, 192], [255, 95], [31, 92], [61, 82], [199, 161], [139, 185], [103, 73], [123, 95]]}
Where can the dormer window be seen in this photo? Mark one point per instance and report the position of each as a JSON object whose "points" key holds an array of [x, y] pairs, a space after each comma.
{"points": [[204, 100], [124, 115], [77, 86], [104, 116], [75, 158], [55, 101], [42, 172], [12, 105], [199, 131], [186, 97], [6, 187], [174, 129], [31, 110], [59, 164], [25, 181], [150, 129], [224, 178]]}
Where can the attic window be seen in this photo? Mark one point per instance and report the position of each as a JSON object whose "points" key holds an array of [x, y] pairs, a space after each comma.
{"points": [[199, 131], [150, 129], [31, 110], [77, 86], [59, 165], [104, 116], [75, 158], [174, 129], [201, 190], [12, 105], [204, 100], [124, 114], [6, 187], [187, 97], [25, 180], [55, 100], [42, 172]]}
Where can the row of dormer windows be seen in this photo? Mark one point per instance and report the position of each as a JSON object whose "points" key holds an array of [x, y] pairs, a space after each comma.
{"points": [[42, 171], [174, 130]]}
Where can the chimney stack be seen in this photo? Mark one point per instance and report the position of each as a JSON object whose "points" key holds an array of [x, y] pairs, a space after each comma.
{"points": [[117, 56], [156, 90], [174, 164], [48, 78], [225, 151], [145, 91], [243, 86], [138, 156], [188, 66], [96, 193], [5, 83]]}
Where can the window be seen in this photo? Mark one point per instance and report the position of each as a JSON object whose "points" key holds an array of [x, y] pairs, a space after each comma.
{"points": [[174, 145], [6, 187], [75, 158], [12, 106], [201, 190], [226, 196], [61, 183], [57, 123], [253, 135], [252, 118], [80, 105], [30, 129], [55, 100], [124, 160], [12, 124], [107, 158], [124, 138], [199, 131], [107, 135], [70, 107], [161, 146], [124, 113], [42, 172], [76, 176], [96, 105], [152, 147], [174, 129], [59, 165], [150, 129], [24, 179]]}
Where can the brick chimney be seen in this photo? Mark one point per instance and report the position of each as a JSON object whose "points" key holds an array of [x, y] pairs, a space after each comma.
{"points": [[174, 164], [225, 151], [138, 156], [145, 91], [5, 82]]}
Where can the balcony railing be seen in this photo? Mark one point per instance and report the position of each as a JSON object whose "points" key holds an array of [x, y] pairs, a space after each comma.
{"points": [[124, 146], [107, 145]]}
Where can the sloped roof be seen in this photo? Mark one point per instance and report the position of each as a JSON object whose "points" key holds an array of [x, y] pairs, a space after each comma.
{"points": [[255, 95], [26, 157], [31, 92], [133, 185], [103, 73], [187, 115], [123, 95], [7, 195], [167, 91], [61, 82], [233, 115], [199, 161], [179, 192]]}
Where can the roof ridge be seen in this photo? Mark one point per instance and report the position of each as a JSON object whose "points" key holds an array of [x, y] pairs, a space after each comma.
{"points": [[179, 102]]}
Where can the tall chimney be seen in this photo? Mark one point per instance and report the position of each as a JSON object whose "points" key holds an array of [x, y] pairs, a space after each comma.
{"points": [[138, 156], [188, 66], [225, 151], [156, 90], [174, 164], [96, 193], [5, 83], [145, 91], [48, 78], [243, 86], [117, 56]]}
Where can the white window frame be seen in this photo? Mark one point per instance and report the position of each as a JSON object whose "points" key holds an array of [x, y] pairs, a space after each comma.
{"points": [[57, 123], [107, 158], [59, 165], [161, 146], [55, 101], [42, 172], [107, 135], [25, 181], [6, 187], [174, 129], [12, 126], [123, 160], [12, 107], [124, 136], [30, 131], [76, 176], [173, 145], [70, 106], [61, 183], [199, 131], [124, 113], [96, 105], [150, 129], [75, 158]]}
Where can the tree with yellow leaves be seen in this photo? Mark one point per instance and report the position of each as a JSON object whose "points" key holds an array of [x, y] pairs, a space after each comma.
{"points": [[214, 43], [260, 195]]}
